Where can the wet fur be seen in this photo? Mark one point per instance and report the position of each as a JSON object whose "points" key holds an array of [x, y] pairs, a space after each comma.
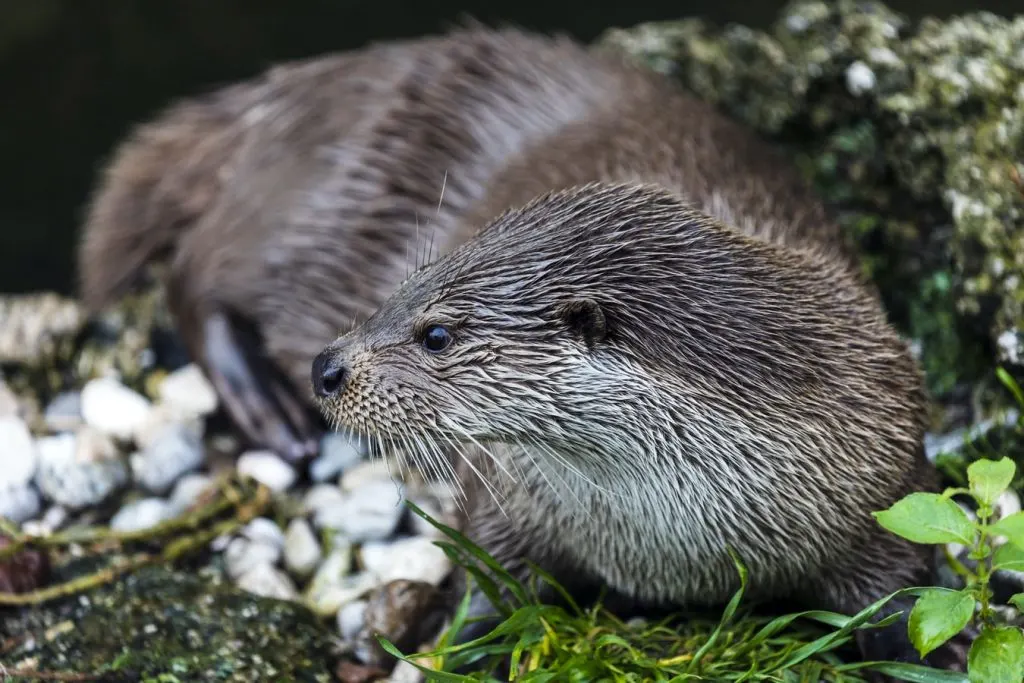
{"points": [[742, 387]]}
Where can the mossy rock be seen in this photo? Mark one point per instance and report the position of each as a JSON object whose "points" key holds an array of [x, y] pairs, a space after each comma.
{"points": [[913, 133], [166, 626]]}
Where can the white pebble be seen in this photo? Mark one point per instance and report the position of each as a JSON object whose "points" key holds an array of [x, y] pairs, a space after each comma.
{"points": [[142, 514], [263, 530], [64, 414], [176, 451], [375, 470], [321, 496], [19, 503], [188, 490], [338, 452], [327, 599], [242, 555], [79, 470], [268, 582], [351, 618], [302, 551], [189, 392], [859, 78], [112, 408], [268, 469], [330, 576], [370, 513], [18, 454], [413, 559], [404, 672]]}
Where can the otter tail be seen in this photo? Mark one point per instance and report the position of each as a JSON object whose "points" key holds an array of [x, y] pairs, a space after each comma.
{"points": [[159, 182]]}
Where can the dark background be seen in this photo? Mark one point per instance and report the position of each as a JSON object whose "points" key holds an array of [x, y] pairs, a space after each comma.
{"points": [[75, 74]]}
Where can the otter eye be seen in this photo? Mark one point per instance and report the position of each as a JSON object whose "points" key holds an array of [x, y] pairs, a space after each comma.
{"points": [[437, 338]]}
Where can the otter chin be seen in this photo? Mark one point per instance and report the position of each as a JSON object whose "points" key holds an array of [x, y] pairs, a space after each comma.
{"points": [[628, 388]]}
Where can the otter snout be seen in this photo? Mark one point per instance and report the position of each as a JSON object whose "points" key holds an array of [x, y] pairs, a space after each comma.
{"points": [[330, 373]]}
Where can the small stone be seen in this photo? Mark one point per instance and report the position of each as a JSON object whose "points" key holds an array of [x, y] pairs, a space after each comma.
{"points": [[441, 508], [350, 619], [375, 470], [113, 409], [321, 496], [142, 514], [265, 531], [413, 559], [404, 672], [269, 582], [189, 392], [19, 503], [243, 554], [80, 469], [338, 452], [332, 585], [407, 613], [859, 78], [64, 414], [9, 406], [55, 517], [188, 491], [268, 469], [19, 456], [302, 551], [161, 419], [371, 513], [174, 453], [327, 599]]}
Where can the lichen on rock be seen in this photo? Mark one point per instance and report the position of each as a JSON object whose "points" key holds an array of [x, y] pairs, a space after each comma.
{"points": [[913, 133]]}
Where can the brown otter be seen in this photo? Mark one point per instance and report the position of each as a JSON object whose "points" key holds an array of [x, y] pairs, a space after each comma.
{"points": [[687, 382]]}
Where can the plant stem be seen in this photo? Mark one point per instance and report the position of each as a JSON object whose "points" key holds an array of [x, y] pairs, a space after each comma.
{"points": [[983, 554]]}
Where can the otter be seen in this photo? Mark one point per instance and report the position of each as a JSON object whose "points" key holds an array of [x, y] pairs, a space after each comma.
{"points": [[658, 350]]}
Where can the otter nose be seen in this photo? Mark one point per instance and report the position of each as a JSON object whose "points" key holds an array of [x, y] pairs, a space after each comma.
{"points": [[329, 373]]}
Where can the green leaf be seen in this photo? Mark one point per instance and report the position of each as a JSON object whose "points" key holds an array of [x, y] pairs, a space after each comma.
{"points": [[937, 616], [1007, 379], [997, 656], [989, 478], [1018, 601], [1012, 527], [928, 518], [1010, 557], [916, 673]]}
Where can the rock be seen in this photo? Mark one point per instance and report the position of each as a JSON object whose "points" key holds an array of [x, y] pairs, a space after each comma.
{"points": [[413, 559], [327, 598], [64, 414], [408, 613], [268, 469], [189, 392], [302, 551], [79, 470], [9, 406], [52, 520], [338, 452], [142, 514], [321, 496], [19, 503], [156, 621], [351, 619], [369, 513], [160, 420], [404, 672], [439, 503], [18, 454], [113, 409], [375, 470], [188, 491], [243, 554], [174, 453], [268, 582], [265, 531]]}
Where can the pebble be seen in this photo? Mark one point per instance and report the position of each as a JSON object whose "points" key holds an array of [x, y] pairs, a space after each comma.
{"points": [[375, 470], [142, 514], [371, 513], [19, 503], [269, 582], [265, 531], [327, 599], [268, 469], [64, 414], [242, 555], [188, 490], [8, 401], [443, 511], [404, 672], [188, 392], [351, 618], [161, 419], [53, 519], [79, 470], [332, 580], [321, 496], [407, 613], [112, 408], [175, 452], [302, 551], [338, 452], [412, 559], [19, 456]]}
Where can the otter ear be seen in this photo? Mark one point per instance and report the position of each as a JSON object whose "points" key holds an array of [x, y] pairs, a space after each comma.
{"points": [[585, 320]]}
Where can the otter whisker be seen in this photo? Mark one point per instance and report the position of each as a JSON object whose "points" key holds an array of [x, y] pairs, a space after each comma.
{"points": [[468, 461]]}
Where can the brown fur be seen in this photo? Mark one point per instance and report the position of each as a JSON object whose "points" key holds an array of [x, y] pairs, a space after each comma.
{"points": [[667, 353]]}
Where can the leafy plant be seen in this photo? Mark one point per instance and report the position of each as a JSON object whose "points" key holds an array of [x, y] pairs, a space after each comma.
{"points": [[997, 654]]}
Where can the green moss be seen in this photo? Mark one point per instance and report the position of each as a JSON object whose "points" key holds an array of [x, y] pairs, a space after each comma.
{"points": [[159, 625], [913, 134]]}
